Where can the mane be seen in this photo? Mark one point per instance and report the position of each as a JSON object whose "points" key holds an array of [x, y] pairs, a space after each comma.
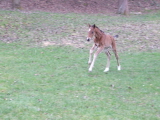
{"points": [[100, 29], [99, 33]]}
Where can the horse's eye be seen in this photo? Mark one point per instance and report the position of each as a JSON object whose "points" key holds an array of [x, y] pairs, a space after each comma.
{"points": [[92, 32]]}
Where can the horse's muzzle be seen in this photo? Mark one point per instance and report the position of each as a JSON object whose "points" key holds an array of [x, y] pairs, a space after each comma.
{"points": [[88, 39]]}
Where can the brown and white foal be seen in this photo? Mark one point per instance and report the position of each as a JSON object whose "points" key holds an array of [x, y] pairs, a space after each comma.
{"points": [[101, 42]]}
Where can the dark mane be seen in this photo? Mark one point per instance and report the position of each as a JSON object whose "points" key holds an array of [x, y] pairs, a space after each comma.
{"points": [[100, 29]]}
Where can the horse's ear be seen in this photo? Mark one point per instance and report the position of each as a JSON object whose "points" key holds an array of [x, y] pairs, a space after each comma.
{"points": [[94, 26]]}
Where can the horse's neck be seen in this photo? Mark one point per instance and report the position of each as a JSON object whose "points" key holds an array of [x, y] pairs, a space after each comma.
{"points": [[98, 34]]}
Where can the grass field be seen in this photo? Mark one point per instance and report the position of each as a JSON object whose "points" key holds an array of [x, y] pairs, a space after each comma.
{"points": [[40, 81]]}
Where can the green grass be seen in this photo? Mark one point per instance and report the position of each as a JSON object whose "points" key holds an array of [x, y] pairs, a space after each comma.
{"points": [[53, 82]]}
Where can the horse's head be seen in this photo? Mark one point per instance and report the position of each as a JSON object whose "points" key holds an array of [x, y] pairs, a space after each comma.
{"points": [[91, 31]]}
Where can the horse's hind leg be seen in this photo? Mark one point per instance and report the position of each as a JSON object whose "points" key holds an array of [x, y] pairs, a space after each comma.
{"points": [[108, 61], [116, 55]]}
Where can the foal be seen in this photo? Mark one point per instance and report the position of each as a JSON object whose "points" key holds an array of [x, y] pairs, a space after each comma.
{"points": [[101, 42]]}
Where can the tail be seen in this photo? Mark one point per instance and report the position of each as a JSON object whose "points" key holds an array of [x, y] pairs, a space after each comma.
{"points": [[116, 36], [114, 42]]}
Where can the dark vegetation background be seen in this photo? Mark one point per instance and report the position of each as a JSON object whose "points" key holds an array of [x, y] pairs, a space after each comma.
{"points": [[83, 6]]}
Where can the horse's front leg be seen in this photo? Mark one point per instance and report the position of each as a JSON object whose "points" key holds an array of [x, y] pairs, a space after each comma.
{"points": [[90, 53], [94, 58]]}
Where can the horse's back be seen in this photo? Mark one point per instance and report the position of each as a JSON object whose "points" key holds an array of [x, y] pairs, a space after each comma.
{"points": [[109, 40]]}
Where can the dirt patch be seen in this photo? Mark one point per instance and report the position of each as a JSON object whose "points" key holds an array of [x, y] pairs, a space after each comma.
{"points": [[47, 43], [64, 43]]}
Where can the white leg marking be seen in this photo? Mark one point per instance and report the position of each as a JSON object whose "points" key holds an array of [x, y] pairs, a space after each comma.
{"points": [[92, 64], [119, 67], [89, 62], [90, 57], [94, 58], [90, 54], [90, 69], [108, 61], [106, 70]]}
